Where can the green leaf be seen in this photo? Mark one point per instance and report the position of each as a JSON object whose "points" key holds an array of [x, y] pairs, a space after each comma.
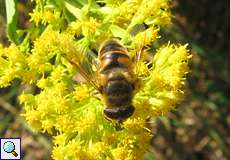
{"points": [[79, 3], [11, 15], [72, 9], [59, 4], [118, 31]]}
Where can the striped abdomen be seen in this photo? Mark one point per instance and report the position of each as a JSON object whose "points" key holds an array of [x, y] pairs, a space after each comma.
{"points": [[113, 55], [117, 80]]}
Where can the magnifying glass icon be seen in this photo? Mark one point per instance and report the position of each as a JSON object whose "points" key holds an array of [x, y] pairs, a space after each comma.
{"points": [[9, 147]]}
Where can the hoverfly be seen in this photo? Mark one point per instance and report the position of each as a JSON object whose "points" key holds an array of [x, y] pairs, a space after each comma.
{"points": [[115, 80]]}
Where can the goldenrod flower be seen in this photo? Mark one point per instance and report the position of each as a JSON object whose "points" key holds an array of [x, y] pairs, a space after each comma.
{"points": [[150, 11], [44, 16], [48, 16], [75, 28], [123, 13], [36, 16]]}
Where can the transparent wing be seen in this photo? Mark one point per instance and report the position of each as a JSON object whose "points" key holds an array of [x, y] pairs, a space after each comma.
{"points": [[85, 62], [140, 45]]}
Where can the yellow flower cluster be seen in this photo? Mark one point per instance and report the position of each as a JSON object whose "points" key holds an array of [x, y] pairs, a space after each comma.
{"points": [[122, 15], [13, 65], [86, 28], [133, 12], [154, 12], [68, 110], [164, 86], [45, 16]]}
